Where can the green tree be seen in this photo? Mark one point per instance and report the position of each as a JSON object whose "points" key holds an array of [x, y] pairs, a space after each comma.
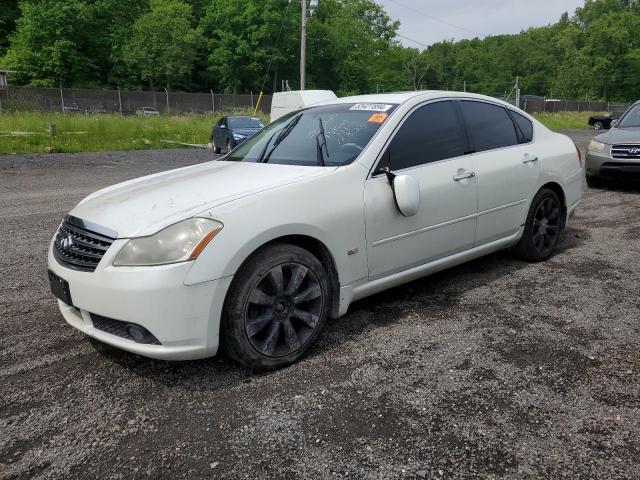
{"points": [[9, 13], [162, 45]]}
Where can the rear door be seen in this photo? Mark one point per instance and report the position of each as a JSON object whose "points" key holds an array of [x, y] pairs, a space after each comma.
{"points": [[430, 146], [506, 165]]}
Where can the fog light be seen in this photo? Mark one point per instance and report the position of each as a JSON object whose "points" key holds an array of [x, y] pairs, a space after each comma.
{"points": [[136, 332]]}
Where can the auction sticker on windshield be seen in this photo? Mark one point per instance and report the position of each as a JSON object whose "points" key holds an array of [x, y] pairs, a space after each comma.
{"points": [[371, 107], [378, 117]]}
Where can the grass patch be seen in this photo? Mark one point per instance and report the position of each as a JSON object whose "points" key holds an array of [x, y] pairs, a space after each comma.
{"points": [[104, 132], [565, 120]]}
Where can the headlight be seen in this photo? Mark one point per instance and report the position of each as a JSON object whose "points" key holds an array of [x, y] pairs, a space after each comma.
{"points": [[178, 243], [239, 137], [595, 146]]}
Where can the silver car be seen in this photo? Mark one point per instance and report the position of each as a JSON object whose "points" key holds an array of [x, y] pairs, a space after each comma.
{"points": [[616, 154]]}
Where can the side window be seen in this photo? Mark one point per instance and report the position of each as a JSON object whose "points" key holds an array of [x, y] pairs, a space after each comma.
{"points": [[525, 126], [431, 133], [488, 126]]}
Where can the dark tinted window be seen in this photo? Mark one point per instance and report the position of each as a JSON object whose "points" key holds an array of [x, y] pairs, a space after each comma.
{"points": [[431, 133], [525, 126], [488, 126]]}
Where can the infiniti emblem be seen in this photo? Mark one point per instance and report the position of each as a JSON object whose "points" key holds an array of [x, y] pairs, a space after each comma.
{"points": [[634, 151], [67, 242]]}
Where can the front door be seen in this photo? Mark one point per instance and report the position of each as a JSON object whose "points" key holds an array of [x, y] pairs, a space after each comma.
{"points": [[431, 147]]}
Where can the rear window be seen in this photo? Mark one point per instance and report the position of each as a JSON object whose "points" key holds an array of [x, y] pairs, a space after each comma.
{"points": [[245, 122], [489, 126], [297, 138]]}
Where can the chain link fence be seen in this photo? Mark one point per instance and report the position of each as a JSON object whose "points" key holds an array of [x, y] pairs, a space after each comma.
{"points": [[123, 102], [534, 104]]}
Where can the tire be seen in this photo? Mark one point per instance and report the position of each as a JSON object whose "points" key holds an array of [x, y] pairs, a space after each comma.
{"points": [[598, 126], [545, 223], [229, 146], [216, 149], [276, 307], [595, 182]]}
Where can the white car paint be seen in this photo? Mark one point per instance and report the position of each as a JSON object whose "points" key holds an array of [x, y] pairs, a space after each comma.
{"points": [[348, 209]]}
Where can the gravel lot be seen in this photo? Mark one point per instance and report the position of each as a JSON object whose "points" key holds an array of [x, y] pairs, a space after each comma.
{"points": [[496, 368]]}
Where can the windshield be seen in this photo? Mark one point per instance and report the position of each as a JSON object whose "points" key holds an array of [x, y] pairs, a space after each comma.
{"points": [[245, 122], [631, 118], [331, 135]]}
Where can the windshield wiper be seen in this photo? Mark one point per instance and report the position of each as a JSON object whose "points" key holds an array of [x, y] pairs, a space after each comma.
{"points": [[321, 140], [284, 133]]}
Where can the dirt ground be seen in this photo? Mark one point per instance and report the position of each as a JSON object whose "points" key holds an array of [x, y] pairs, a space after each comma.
{"points": [[496, 368]]}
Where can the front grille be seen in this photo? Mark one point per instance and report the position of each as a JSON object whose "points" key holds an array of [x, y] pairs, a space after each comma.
{"points": [[130, 331], [79, 246], [626, 151]]}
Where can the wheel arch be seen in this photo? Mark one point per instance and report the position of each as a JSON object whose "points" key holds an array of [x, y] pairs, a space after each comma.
{"points": [[556, 188], [319, 250]]}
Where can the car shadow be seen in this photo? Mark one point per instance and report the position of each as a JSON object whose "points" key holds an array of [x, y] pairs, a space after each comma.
{"points": [[440, 291], [623, 186]]}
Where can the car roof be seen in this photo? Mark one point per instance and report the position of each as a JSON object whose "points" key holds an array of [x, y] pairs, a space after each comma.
{"points": [[398, 98]]}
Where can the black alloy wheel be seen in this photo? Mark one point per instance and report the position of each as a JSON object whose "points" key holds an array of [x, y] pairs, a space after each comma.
{"points": [[543, 228], [276, 306], [283, 310], [546, 226]]}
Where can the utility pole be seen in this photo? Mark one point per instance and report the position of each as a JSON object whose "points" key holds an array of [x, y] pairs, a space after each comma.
{"points": [[303, 45], [313, 5], [518, 92]]}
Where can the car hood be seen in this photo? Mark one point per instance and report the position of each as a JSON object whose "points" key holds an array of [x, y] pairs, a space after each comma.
{"points": [[145, 205], [247, 132], [620, 135]]}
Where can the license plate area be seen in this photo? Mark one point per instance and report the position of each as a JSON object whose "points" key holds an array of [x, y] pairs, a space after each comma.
{"points": [[60, 288]]}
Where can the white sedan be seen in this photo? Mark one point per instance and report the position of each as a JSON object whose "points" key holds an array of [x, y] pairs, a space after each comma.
{"points": [[325, 206]]}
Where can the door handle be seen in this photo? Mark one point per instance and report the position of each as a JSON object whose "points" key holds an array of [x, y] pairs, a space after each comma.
{"points": [[529, 158], [463, 176]]}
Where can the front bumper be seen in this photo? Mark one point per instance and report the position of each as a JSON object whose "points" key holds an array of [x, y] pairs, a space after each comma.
{"points": [[185, 319], [601, 164]]}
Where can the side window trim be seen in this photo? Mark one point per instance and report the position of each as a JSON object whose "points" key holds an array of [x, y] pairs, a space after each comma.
{"points": [[383, 156], [521, 135]]}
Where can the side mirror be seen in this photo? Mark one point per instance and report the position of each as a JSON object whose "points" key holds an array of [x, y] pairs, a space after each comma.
{"points": [[614, 122], [406, 192]]}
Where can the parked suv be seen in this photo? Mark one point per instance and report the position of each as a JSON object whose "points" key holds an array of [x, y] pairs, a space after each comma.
{"points": [[329, 204], [616, 153]]}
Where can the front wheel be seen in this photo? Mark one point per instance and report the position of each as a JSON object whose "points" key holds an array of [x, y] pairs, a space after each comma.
{"points": [[594, 182], [542, 230], [598, 126], [276, 307]]}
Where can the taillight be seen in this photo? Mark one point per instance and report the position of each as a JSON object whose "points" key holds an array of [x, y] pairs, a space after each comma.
{"points": [[579, 154]]}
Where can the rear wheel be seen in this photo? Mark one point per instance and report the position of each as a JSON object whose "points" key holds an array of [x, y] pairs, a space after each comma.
{"points": [[542, 230], [276, 307], [598, 126]]}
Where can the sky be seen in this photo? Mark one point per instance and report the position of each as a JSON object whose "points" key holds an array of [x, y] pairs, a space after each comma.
{"points": [[430, 21]]}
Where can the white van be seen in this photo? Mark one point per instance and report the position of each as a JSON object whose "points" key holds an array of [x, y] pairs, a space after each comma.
{"points": [[286, 102]]}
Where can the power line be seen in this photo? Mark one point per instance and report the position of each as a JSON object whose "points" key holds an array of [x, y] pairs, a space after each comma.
{"points": [[436, 19], [284, 18], [412, 40]]}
